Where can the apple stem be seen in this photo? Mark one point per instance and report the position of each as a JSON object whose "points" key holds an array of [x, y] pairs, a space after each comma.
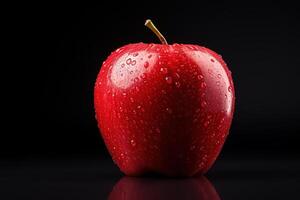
{"points": [[153, 28]]}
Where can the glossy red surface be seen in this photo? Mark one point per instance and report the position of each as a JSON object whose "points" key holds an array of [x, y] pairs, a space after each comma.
{"points": [[164, 108]]}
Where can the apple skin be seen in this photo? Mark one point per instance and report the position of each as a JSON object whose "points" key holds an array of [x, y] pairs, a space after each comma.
{"points": [[164, 108], [132, 188]]}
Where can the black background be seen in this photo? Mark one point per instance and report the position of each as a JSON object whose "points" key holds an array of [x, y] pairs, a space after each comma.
{"points": [[54, 52], [57, 50]]}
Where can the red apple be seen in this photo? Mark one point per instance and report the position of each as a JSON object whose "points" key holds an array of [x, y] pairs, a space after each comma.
{"points": [[164, 108], [132, 188]]}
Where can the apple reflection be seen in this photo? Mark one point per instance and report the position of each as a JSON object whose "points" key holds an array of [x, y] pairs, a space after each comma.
{"points": [[134, 188]]}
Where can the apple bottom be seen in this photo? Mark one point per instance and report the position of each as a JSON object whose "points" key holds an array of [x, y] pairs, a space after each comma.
{"points": [[168, 157]]}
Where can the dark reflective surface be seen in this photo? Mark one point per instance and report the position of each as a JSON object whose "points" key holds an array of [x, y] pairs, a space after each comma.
{"points": [[156, 188], [94, 178]]}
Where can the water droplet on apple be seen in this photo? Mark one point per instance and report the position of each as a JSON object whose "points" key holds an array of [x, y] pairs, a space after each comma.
{"points": [[200, 77], [163, 91], [218, 83], [192, 147], [131, 72], [203, 104], [135, 54], [219, 75], [164, 70], [131, 99], [128, 61], [146, 64], [124, 93], [229, 89], [133, 62], [225, 96], [132, 142], [177, 84], [206, 123], [143, 75], [150, 56], [203, 85], [210, 71], [136, 79], [123, 65], [212, 60], [157, 130], [139, 107], [169, 79], [169, 110]]}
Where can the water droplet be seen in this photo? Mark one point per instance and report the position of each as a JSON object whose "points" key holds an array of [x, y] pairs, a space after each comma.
{"points": [[133, 62], [218, 83], [212, 60], [164, 92], [225, 96], [219, 75], [143, 75], [123, 65], [229, 89], [132, 142], [136, 79], [201, 165], [203, 85], [177, 84], [222, 120], [135, 54], [200, 77], [177, 75], [131, 99], [146, 64], [137, 89], [164, 70], [128, 61], [198, 110], [131, 72], [210, 71], [169, 79], [157, 130], [192, 147], [203, 104], [206, 123], [139, 107], [150, 56], [169, 110], [124, 93]]}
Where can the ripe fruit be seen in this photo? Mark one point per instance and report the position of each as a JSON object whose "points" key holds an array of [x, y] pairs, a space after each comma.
{"points": [[164, 108]]}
